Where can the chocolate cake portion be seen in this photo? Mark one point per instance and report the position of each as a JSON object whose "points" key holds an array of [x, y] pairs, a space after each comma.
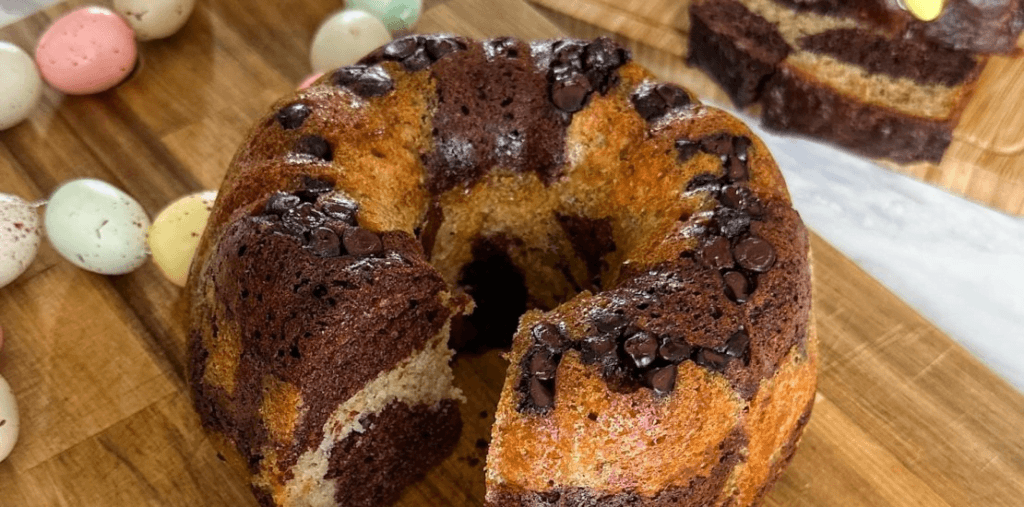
{"points": [[744, 270], [499, 105], [923, 63], [737, 47], [797, 104], [401, 443], [296, 277]]}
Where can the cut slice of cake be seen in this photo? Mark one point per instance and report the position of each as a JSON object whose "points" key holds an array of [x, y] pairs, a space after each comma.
{"points": [[835, 77]]}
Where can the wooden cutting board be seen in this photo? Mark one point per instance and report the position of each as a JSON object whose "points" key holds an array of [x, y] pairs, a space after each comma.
{"points": [[904, 416], [985, 161]]}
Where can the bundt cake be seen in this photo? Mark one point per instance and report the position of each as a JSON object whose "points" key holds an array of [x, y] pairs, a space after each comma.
{"points": [[640, 246]]}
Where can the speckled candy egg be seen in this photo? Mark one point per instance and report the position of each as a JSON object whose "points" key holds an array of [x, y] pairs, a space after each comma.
{"points": [[396, 14], [9, 422], [97, 227], [20, 85], [155, 19], [175, 234], [309, 80], [19, 237], [86, 51], [344, 38]]}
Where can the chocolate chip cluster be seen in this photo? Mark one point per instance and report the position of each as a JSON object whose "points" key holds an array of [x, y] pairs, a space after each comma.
{"points": [[656, 101], [578, 69], [727, 244], [324, 222], [364, 80], [629, 358], [417, 52]]}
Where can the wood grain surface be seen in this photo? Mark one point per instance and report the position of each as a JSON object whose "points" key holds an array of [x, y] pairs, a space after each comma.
{"points": [[904, 416], [985, 161]]}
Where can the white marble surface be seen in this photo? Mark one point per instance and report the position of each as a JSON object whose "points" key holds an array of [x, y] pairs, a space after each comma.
{"points": [[959, 264]]}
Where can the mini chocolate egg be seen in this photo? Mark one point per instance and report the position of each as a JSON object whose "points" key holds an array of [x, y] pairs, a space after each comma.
{"points": [[396, 14], [20, 85], [925, 10], [19, 237], [9, 421], [176, 232], [155, 19], [89, 50], [344, 38], [97, 227]]}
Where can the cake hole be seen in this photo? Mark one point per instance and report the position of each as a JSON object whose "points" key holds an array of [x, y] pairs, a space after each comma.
{"points": [[507, 102], [592, 416], [319, 291], [377, 153], [242, 249], [465, 110], [294, 352]]}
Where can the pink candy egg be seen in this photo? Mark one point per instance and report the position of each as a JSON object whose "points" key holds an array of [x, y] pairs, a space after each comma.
{"points": [[87, 51], [310, 79]]}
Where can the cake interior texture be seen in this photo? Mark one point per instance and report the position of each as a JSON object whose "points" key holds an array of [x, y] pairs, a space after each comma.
{"points": [[635, 249]]}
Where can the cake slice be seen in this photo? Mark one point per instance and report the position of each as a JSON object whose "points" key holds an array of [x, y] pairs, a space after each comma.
{"points": [[835, 76], [990, 26]]}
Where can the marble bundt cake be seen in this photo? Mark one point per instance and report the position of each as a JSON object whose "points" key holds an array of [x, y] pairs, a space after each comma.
{"points": [[640, 246]]}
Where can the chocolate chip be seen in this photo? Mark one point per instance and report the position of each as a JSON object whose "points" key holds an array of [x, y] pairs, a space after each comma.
{"points": [[281, 202], [419, 60], [609, 322], [400, 49], [643, 348], [316, 147], [716, 254], [359, 241], [675, 349], [738, 344], [570, 52], [605, 54], [702, 182], [365, 81], [540, 394], [674, 96], [662, 380], [737, 287], [717, 144], [543, 364], [736, 169], [501, 47], [570, 94], [549, 496], [741, 147], [548, 335], [755, 254], [730, 222], [598, 346], [710, 359], [304, 215], [313, 188], [324, 243], [649, 105], [441, 46], [293, 116], [340, 208]]}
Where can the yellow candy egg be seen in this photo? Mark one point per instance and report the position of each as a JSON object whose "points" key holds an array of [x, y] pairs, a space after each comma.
{"points": [[175, 234], [925, 10]]}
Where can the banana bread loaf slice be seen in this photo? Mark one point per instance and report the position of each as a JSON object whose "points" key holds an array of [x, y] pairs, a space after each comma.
{"points": [[835, 77]]}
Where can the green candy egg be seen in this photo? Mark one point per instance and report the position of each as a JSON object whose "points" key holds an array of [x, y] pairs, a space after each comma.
{"points": [[396, 14]]}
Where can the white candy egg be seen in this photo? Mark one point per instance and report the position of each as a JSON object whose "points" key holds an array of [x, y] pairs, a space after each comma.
{"points": [[20, 85], [19, 237], [155, 19], [175, 234], [97, 227], [344, 38], [9, 422]]}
